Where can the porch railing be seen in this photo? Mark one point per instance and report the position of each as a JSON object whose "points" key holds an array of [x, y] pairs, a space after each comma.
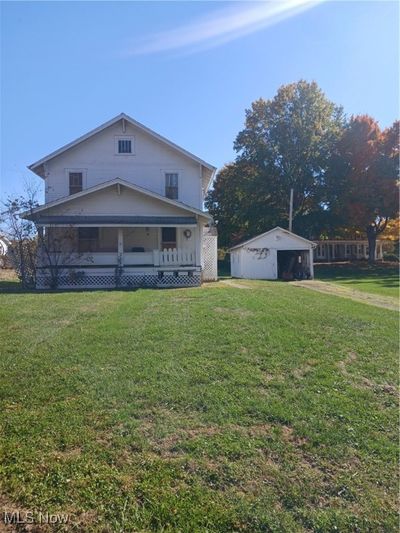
{"points": [[174, 257], [166, 258]]}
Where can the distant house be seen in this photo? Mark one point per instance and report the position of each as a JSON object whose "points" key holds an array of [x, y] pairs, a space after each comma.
{"points": [[4, 249], [346, 250], [276, 254], [131, 203]]}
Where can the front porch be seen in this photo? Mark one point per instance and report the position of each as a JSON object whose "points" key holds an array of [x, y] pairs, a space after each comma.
{"points": [[117, 234], [133, 256]]}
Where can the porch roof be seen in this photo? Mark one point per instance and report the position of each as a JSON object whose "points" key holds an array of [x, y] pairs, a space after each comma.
{"points": [[113, 220], [117, 182]]}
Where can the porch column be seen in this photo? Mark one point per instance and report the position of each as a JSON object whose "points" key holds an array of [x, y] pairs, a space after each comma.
{"points": [[199, 244], [311, 257], [121, 246], [381, 251], [39, 251]]}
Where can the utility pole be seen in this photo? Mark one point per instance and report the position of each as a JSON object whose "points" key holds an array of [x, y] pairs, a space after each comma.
{"points": [[291, 210]]}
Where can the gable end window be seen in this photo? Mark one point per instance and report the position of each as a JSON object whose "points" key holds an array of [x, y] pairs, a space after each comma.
{"points": [[171, 185], [124, 145], [75, 182]]}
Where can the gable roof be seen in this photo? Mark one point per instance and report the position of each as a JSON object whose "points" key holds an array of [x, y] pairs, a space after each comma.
{"points": [[110, 183], [35, 167], [271, 231]]}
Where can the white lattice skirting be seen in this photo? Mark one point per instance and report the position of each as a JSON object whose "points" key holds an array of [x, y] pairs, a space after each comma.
{"points": [[122, 281], [210, 258]]}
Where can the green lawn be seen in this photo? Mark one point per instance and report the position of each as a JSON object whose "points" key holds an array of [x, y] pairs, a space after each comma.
{"points": [[378, 279], [271, 408]]}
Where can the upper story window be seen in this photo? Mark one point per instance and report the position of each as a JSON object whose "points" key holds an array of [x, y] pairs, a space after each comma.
{"points": [[171, 185], [124, 145], [75, 182]]}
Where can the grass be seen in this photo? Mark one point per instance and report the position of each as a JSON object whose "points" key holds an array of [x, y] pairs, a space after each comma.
{"points": [[381, 278], [269, 408]]}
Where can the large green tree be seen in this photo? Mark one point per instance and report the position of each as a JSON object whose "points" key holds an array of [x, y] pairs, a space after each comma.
{"points": [[286, 143], [362, 182], [238, 203]]}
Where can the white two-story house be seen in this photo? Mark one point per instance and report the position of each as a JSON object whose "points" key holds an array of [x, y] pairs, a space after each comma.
{"points": [[125, 207]]}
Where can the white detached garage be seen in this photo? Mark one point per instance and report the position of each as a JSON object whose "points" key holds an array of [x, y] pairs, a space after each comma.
{"points": [[276, 254]]}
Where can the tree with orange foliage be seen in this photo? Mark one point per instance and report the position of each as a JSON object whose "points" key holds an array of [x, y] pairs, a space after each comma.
{"points": [[392, 231], [362, 181]]}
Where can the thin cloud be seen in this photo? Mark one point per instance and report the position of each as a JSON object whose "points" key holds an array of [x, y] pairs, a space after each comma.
{"points": [[221, 26]]}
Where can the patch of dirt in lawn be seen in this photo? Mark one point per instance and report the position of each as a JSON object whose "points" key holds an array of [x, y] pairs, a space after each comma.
{"points": [[62, 322], [86, 518], [93, 306], [184, 297], [345, 363], [363, 382], [168, 447], [379, 387], [238, 312], [290, 436], [301, 372], [351, 357], [267, 377], [233, 283], [336, 290], [69, 453], [269, 468]]}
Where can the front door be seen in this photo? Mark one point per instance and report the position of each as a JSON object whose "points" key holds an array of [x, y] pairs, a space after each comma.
{"points": [[168, 238]]}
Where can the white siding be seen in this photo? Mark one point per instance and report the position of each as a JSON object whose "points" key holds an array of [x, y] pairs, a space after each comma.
{"points": [[235, 264], [97, 159], [258, 266], [143, 237], [280, 240], [108, 202]]}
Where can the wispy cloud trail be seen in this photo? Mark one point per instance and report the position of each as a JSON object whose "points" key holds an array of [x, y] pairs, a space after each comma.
{"points": [[221, 26]]}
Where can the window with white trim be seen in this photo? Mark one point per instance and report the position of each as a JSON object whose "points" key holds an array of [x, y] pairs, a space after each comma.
{"points": [[171, 185], [75, 182], [124, 145]]}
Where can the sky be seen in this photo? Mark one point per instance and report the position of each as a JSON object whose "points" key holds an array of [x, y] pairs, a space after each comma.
{"points": [[187, 70]]}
